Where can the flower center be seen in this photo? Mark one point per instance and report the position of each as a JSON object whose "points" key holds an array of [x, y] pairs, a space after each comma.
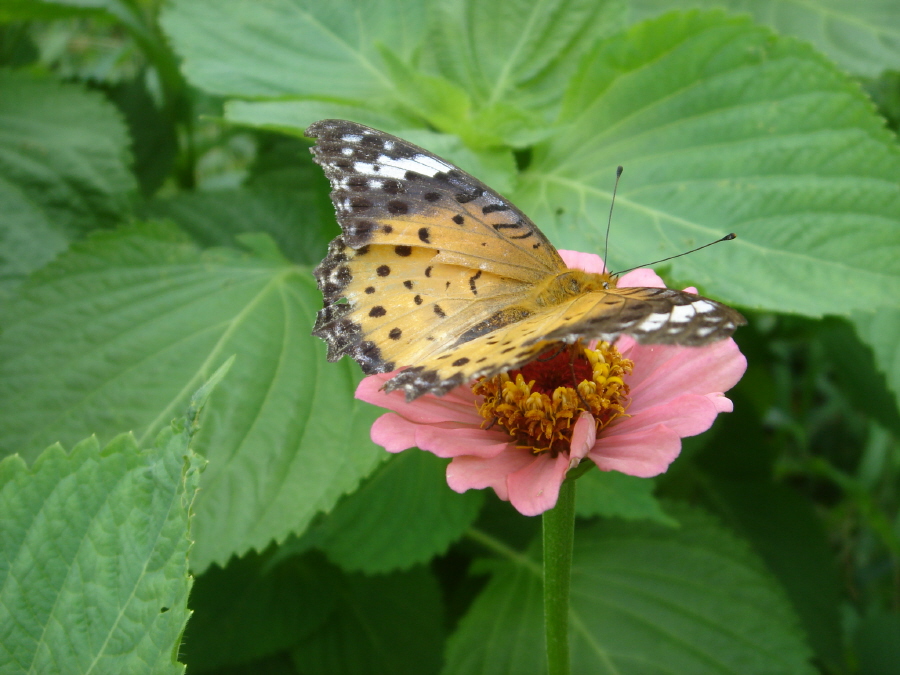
{"points": [[538, 404]]}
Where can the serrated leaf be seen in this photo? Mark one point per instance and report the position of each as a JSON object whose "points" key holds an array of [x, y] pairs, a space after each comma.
{"points": [[404, 514], [862, 37], [645, 599], [94, 562], [386, 625], [309, 48], [63, 167], [880, 331], [517, 51], [292, 117], [723, 126], [614, 494], [240, 612], [787, 534], [300, 219], [117, 333]]}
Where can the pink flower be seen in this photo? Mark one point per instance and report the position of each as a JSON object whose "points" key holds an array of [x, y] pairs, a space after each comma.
{"points": [[674, 392]]}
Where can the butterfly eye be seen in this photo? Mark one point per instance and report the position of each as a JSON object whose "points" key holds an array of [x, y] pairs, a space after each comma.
{"points": [[605, 285]]}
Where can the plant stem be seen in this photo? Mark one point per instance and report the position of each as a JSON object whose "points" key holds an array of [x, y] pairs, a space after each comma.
{"points": [[559, 535]]}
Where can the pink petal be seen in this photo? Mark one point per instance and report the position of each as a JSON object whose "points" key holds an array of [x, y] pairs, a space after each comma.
{"points": [[393, 433], [584, 434], [471, 441], [662, 372], [535, 488], [641, 277], [644, 454], [589, 262], [468, 473], [722, 403], [691, 289], [457, 405], [686, 415]]}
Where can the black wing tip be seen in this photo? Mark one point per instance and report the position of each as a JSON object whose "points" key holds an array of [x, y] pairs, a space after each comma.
{"points": [[334, 127]]}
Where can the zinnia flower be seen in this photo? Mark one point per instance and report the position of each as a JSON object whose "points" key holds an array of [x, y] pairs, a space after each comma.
{"points": [[516, 433]]}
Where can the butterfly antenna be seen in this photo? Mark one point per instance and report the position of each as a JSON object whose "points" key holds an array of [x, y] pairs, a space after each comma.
{"points": [[619, 170], [727, 237]]}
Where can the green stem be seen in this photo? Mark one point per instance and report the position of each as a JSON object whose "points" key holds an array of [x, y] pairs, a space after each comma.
{"points": [[559, 535]]}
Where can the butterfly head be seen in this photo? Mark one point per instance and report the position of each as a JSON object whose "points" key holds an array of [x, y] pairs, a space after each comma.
{"points": [[572, 283]]}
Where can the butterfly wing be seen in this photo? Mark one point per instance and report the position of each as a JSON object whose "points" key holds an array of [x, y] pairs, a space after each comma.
{"points": [[427, 251], [652, 315]]}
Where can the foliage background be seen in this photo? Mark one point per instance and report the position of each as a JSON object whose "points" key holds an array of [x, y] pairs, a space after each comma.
{"points": [[159, 213]]}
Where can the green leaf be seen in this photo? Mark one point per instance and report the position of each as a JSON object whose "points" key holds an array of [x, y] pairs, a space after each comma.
{"points": [[645, 599], [292, 216], [292, 117], [880, 331], [517, 51], [614, 494], [385, 625], [862, 37], [403, 515], [723, 127], [864, 384], [94, 561], [46, 10], [293, 47], [240, 612], [152, 129], [63, 168], [788, 535], [118, 332], [877, 642]]}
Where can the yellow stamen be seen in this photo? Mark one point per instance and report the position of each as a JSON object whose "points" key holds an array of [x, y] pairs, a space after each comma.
{"points": [[539, 412]]}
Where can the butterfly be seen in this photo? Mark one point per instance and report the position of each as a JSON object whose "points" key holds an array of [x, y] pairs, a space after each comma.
{"points": [[437, 274]]}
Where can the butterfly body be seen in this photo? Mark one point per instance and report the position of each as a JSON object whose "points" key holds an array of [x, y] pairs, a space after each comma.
{"points": [[437, 273]]}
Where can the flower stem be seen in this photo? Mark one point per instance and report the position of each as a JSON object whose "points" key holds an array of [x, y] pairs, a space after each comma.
{"points": [[559, 535]]}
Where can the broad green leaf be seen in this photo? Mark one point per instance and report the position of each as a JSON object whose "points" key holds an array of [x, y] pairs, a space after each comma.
{"points": [[293, 117], [63, 168], [788, 535], [45, 10], [152, 129], [862, 37], [645, 599], [293, 47], [292, 216], [722, 127], [402, 515], [118, 332], [864, 383], [614, 494], [94, 563], [880, 330], [517, 51], [253, 609], [877, 642], [385, 625]]}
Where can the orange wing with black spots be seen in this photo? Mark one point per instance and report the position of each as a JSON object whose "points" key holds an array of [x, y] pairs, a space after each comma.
{"points": [[437, 272]]}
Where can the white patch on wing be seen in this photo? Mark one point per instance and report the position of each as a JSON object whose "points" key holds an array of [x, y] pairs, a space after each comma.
{"points": [[433, 163], [351, 138], [703, 331], [703, 306], [347, 151], [652, 322], [682, 313], [396, 167], [389, 145]]}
